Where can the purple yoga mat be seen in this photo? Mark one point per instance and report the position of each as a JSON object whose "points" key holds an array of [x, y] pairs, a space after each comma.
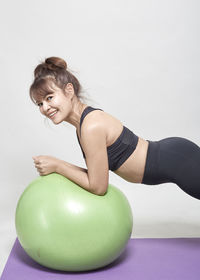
{"points": [[148, 259]]}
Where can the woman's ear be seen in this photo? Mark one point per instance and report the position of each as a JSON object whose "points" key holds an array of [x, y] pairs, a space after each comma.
{"points": [[69, 87], [69, 90]]}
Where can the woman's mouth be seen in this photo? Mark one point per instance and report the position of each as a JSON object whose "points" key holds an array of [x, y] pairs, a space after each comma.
{"points": [[52, 115]]}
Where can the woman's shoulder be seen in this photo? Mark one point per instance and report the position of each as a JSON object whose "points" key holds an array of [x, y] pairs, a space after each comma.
{"points": [[100, 117], [102, 120]]}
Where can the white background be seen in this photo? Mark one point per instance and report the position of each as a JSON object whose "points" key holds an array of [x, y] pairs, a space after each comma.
{"points": [[137, 60]]}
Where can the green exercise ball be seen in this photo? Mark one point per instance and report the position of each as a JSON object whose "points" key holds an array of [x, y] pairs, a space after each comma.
{"points": [[64, 227]]}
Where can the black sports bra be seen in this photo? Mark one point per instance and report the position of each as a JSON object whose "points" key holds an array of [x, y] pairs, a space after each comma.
{"points": [[121, 149]]}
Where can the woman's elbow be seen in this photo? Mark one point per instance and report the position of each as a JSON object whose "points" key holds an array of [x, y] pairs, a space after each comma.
{"points": [[99, 191]]}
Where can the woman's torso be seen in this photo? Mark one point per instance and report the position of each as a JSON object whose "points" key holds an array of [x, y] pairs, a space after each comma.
{"points": [[132, 169]]}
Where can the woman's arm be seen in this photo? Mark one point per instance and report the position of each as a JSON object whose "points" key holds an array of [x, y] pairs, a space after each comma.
{"points": [[48, 164], [76, 174], [94, 179]]}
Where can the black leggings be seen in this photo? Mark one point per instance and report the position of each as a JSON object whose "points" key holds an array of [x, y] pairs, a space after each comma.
{"points": [[176, 160]]}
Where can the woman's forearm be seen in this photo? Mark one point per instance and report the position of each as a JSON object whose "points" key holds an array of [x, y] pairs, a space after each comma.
{"points": [[75, 173], [75, 167]]}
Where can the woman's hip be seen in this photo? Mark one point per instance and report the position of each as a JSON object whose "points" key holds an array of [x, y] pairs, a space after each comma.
{"points": [[166, 158]]}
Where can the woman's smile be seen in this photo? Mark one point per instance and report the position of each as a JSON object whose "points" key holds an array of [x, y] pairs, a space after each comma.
{"points": [[52, 115]]}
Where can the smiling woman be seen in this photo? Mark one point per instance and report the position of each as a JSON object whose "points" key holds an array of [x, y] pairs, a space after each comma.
{"points": [[57, 92], [105, 142]]}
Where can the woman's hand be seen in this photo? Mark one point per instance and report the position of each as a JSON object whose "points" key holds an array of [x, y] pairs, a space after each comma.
{"points": [[45, 164]]}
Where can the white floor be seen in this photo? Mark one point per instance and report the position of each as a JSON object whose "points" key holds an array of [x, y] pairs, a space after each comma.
{"points": [[8, 236]]}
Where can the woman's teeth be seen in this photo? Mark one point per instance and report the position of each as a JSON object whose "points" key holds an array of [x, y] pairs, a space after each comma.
{"points": [[53, 114]]}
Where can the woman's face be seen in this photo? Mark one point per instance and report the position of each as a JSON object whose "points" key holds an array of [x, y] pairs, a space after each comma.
{"points": [[57, 105]]}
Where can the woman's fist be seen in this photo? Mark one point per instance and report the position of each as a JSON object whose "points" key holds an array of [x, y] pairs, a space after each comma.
{"points": [[45, 164]]}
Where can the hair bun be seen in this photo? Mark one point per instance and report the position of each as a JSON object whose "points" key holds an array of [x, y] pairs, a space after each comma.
{"points": [[53, 63]]}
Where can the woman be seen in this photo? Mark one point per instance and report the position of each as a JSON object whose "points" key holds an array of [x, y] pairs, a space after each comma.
{"points": [[107, 144]]}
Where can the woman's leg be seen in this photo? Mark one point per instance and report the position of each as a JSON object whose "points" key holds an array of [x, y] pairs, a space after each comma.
{"points": [[174, 159]]}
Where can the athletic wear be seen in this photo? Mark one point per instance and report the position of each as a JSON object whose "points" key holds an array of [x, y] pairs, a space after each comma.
{"points": [[121, 149], [174, 159]]}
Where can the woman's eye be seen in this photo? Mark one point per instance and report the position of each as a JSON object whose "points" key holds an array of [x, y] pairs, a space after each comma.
{"points": [[49, 97]]}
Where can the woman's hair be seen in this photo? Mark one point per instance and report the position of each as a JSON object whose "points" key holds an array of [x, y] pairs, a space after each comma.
{"points": [[50, 73]]}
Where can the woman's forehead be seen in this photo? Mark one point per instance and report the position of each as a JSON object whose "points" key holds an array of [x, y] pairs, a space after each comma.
{"points": [[38, 97], [41, 92]]}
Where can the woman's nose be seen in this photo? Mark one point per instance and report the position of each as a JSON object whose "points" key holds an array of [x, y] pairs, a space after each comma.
{"points": [[46, 107]]}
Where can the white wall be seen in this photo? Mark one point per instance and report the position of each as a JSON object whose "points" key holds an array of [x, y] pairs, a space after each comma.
{"points": [[137, 60]]}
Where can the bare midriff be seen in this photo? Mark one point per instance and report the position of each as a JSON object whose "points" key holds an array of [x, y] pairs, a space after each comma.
{"points": [[132, 170]]}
